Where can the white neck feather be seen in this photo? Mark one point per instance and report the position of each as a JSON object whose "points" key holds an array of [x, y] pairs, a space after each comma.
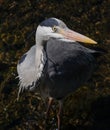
{"points": [[39, 61]]}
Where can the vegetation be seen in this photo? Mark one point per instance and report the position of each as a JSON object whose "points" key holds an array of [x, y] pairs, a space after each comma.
{"points": [[88, 108]]}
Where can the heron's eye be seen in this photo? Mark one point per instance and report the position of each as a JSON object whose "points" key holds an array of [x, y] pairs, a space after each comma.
{"points": [[54, 28]]}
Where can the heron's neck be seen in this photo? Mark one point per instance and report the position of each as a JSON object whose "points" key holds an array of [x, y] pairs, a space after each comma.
{"points": [[39, 60]]}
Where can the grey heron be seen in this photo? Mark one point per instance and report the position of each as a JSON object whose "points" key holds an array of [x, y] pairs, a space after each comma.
{"points": [[57, 64]]}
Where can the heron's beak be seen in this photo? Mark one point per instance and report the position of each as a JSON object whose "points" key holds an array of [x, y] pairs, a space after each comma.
{"points": [[72, 35]]}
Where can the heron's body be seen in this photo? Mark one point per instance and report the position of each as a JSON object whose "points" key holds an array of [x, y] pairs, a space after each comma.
{"points": [[56, 65], [68, 66]]}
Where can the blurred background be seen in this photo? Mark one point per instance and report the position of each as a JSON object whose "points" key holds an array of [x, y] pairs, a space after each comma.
{"points": [[89, 107]]}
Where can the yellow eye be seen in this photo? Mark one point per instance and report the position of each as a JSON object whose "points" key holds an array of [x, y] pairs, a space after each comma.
{"points": [[54, 28]]}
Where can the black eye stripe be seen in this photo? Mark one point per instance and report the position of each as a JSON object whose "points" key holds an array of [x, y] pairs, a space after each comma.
{"points": [[49, 22]]}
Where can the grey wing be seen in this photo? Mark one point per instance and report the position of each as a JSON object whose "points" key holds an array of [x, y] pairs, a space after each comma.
{"points": [[26, 69], [69, 65], [69, 61]]}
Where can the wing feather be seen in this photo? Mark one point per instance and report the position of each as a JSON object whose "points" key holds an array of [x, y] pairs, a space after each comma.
{"points": [[69, 60]]}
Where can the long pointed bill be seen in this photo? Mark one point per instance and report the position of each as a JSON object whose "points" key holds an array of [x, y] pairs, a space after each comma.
{"points": [[72, 35]]}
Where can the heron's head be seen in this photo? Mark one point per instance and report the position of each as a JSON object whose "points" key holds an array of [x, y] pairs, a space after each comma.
{"points": [[56, 28]]}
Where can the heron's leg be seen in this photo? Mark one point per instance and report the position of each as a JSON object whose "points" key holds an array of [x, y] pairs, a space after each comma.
{"points": [[59, 113], [47, 112], [48, 107]]}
